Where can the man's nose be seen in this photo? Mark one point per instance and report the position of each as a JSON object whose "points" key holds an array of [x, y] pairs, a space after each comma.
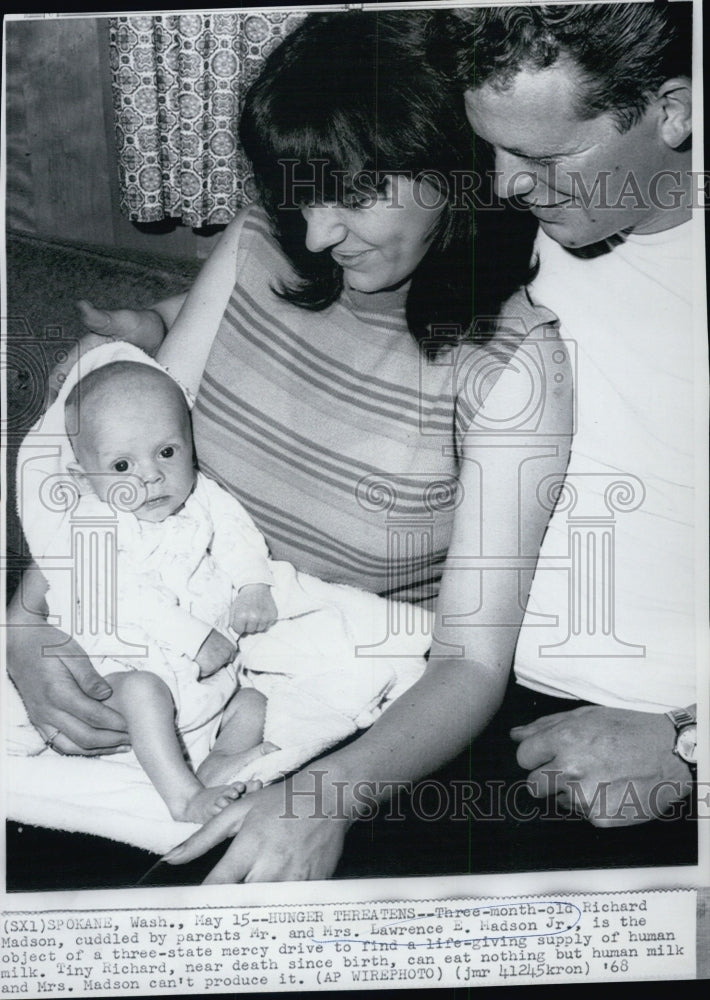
{"points": [[325, 227], [514, 178]]}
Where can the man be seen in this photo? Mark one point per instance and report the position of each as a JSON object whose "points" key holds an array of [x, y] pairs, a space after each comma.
{"points": [[587, 111]]}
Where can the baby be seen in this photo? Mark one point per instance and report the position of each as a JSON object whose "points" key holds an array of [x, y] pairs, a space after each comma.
{"points": [[207, 720], [133, 428]]}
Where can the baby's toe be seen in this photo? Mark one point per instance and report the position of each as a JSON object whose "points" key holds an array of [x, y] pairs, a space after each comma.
{"points": [[230, 794]]}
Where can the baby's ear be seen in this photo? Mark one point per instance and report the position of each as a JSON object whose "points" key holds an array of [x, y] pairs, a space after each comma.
{"points": [[79, 476]]}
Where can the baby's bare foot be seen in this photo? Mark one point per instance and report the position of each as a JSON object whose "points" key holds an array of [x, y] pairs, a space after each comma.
{"points": [[207, 802], [221, 765]]}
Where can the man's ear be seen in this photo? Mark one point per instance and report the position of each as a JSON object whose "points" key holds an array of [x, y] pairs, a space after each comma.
{"points": [[77, 473], [676, 100]]}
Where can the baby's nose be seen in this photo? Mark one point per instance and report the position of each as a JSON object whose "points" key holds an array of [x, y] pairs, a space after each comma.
{"points": [[150, 473]]}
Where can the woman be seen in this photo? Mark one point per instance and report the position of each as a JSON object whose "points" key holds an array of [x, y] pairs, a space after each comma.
{"points": [[342, 399]]}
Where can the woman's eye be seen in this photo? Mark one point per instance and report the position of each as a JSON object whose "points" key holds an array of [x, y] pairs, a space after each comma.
{"points": [[364, 200], [167, 452], [121, 465]]}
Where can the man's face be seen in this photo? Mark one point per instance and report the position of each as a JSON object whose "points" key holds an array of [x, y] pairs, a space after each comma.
{"points": [[583, 179]]}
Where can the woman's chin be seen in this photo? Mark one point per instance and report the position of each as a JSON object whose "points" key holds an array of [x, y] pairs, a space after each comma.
{"points": [[371, 284]]}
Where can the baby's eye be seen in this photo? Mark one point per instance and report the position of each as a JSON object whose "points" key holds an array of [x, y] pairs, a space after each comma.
{"points": [[167, 452], [121, 465]]}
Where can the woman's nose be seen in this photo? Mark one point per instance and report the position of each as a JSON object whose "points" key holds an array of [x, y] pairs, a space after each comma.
{"points": [[325, 227], [513, 178]]}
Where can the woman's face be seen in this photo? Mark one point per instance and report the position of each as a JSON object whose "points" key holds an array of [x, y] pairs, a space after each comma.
{"points": [[378, 243]]}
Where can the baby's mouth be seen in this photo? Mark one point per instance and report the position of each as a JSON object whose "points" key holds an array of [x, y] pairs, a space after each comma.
{"points": [[155, 502]]}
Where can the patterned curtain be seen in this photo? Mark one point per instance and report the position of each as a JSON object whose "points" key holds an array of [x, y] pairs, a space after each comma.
{"points": [[178, 86]]}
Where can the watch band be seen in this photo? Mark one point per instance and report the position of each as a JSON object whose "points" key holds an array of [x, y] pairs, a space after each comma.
{"points": [[681, 717], [684, 721]]}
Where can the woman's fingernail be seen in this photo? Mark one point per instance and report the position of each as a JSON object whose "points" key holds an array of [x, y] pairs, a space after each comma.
{"points": [[173, 855]]}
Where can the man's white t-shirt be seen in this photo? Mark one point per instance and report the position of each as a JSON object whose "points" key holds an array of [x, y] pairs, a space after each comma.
{"points": [[610, 617]]}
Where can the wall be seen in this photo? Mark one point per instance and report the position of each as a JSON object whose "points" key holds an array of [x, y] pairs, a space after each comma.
{"points": [[61, 174]]}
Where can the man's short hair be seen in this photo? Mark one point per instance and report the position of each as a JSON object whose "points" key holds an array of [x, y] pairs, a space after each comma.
{"points": [[625, 50]]}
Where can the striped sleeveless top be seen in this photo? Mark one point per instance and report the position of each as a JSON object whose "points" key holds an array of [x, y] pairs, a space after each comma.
{"points": [[337, 432]]}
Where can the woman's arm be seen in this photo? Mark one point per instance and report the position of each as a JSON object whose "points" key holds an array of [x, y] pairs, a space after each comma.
{"points": [[178, 331], [186, 348], [59, 687], [501, 518]]}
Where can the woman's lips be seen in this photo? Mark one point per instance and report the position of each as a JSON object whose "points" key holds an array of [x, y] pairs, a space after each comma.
{"points": [[349, 259]]}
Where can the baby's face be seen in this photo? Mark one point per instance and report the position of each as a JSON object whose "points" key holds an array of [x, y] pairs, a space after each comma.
{"points": [[139, 456]]}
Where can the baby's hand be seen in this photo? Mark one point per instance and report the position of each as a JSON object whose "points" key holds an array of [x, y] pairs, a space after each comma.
{"points": [[254, 609], [214, 653]]}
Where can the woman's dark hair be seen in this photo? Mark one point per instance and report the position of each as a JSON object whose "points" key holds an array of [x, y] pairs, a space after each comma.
{"points": [[345, 100]]}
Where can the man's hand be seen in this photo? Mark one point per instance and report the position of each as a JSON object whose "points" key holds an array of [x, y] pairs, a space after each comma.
{"points": [[254, 609], [214, 653], [615, 767], [63, 693]]}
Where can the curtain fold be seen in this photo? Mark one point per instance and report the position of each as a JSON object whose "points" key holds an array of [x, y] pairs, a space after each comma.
{"points": [[179, 82]]}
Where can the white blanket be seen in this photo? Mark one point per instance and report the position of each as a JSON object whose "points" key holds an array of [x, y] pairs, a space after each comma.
{"points": [[112, 797]]}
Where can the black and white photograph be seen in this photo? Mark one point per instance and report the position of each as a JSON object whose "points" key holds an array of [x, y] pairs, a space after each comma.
{"points": [[355, 498]]}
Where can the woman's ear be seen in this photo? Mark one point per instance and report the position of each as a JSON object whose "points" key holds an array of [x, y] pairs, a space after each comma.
{"points": [[676, 98]]}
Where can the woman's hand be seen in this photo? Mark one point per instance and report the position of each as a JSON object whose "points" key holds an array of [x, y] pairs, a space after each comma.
{"points": [[62, 692], [143, 327], [282, 833]]}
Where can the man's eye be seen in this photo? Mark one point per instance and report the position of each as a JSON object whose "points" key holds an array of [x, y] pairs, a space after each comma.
{"points": [[121, 465], [167, 452]]}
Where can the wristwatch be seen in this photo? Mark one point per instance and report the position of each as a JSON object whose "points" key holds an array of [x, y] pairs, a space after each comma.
{"points": [[686, 738]]}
